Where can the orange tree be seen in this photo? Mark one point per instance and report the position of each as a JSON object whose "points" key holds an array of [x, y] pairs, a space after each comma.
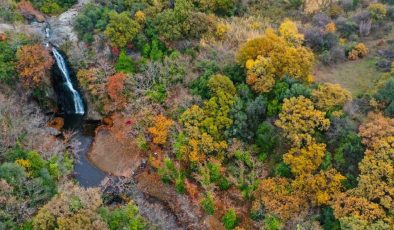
{"points": [[33, 64], [160, 129]]}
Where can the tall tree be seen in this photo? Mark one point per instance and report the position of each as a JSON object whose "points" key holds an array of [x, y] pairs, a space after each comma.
{"points": [[33, 64], [121, 29]]}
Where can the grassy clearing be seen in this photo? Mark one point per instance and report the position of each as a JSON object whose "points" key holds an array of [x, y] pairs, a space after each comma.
{"points": [[356, 76]]}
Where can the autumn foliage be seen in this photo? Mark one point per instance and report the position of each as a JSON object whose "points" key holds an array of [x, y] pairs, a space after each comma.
{"points": [[274, 56], [34, 63], [115, 87], [299, 119], [160, 129]]}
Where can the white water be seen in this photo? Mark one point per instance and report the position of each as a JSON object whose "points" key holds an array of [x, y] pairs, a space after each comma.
{"points": [[78, 104]]}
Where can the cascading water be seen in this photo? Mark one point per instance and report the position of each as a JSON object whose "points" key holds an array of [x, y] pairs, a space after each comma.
{"points": [[77, 100]]}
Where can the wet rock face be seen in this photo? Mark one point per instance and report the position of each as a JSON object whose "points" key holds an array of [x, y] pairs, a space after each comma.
{"points": [[62, 28]]}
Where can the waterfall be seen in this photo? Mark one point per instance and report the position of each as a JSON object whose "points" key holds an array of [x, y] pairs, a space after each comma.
{"points": [[77, 100]]}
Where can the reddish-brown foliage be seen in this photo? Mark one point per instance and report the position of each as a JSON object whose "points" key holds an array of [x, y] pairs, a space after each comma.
{"points": [[3, 37], [115, 87], [34, 63], [28, 11]]}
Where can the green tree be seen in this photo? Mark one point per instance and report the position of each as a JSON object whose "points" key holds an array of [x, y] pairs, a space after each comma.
{"points": [[88, 20], [121, 29], [125, 63], [126, 217], [230, 219]]}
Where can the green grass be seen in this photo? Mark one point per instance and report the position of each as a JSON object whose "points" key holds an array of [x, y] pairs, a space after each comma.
{"points": [[356, 76]]}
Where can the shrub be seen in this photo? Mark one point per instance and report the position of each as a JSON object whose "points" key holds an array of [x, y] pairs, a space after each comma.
{"points": [[53, 6], [13, 173], [121, 29], [8, 12], [359, 51], [158, 93], [328, 219], [160, 129], [208, 204], [7, 63], [230, 219], [34, 64], [180, 183], [346, 27], [348, 5], [125, 63], [321, 19], [168, 172], [378, 11], [266, 138], [386, 95], [90, 18], [390, 12], [282, 170], [272, 223], [335, 10]]}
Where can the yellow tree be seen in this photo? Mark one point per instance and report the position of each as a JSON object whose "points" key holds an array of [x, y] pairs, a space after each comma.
{"points": [[288, 29], [346, 205], [376, 180], [299, 120], [121, 29], [376, 127], [274, 56], [330, 96], [205, 127], [278, 197], [320, 188], [305, 160], [160, 129]]}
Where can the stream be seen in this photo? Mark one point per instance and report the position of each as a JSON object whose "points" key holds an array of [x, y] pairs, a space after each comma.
{"points": [[73, 107]]}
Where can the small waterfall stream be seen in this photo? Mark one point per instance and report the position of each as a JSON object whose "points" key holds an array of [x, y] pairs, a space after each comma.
{"points": [[77, 100]]}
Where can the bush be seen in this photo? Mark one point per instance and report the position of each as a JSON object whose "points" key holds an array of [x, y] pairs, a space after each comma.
{"points": [[348, 5], [266, 138], [378, 11], [88, 20], [53, 6], [7, 63], [346, 27], [158, 93], [126, 217], [125, 63], [328, 219], [272, 223], [200, 85], [335, 55], [390, 12], [230, 219], [319, 41], [208, 204], [282, 170], [386, 95], [321, 19], [13, 173], [121, 29]]}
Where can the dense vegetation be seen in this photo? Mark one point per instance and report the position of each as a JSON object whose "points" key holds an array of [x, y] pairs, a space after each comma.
{"points": [[224, 100]]}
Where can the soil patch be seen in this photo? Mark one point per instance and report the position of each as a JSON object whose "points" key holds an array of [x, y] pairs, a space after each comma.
{"points": [[113, 151]]}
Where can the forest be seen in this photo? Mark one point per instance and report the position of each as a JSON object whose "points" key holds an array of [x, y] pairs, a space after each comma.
{"points": [[196, 114]]}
